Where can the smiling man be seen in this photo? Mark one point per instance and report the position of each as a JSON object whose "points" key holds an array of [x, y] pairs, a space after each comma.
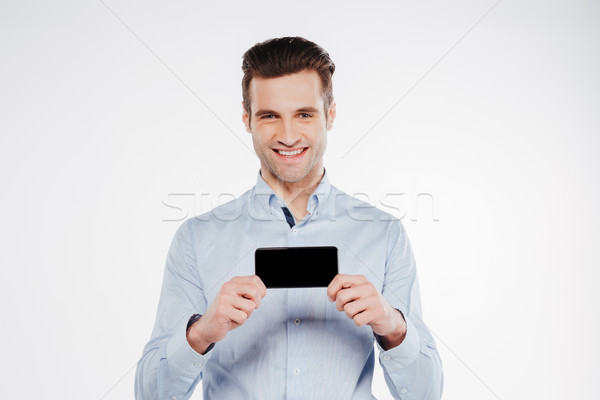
{"points": [[289, 127], [216, 320]]}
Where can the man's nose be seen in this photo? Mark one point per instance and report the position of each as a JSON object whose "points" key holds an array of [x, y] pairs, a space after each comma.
{"points": [[289, 134]]}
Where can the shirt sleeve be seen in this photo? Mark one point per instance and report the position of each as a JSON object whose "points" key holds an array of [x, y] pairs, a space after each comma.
{"points": [[413, 369], [169, 368]]}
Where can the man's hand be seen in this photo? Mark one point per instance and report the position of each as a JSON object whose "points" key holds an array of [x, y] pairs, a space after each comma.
{"points": [[361, 301], [232, 306]]}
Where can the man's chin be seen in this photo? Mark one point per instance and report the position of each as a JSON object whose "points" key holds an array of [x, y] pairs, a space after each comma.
{"points": [[289, 177], [293, 174]]}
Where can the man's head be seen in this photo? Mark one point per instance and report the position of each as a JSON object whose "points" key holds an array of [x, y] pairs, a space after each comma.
{"points": [[283, 56], [288, 108]]}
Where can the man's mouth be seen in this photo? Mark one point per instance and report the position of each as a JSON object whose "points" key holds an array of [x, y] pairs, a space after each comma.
{"points": [[290, 153]]}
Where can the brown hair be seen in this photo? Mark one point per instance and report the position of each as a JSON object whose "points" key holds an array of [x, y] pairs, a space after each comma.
{"points": [[283, 56]]}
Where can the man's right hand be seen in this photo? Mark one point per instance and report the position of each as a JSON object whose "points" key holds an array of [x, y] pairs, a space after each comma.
{"points": [[232, 306]]}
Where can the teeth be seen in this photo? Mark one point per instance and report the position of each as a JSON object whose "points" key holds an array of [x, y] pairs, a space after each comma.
{"points": [[290, 153]]}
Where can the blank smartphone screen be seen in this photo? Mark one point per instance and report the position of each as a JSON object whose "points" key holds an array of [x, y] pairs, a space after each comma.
{"points": [[296, 267]]}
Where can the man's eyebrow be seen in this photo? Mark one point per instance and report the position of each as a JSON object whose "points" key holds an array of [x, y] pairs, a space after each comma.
{"points": [[308, 110], [264, 112]]}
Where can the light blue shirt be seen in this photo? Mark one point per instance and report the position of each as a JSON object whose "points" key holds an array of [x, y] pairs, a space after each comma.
{"points": [[296, 345]]}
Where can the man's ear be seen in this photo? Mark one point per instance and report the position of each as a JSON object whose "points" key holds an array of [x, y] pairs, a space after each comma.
{"points": [[331, 115], [246, 118]]}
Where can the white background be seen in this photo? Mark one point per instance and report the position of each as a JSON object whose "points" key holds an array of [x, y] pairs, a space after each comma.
{"points": [[108, 109]]}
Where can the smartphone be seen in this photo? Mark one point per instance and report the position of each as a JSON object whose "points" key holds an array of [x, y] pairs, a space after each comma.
{"points": [[296, 267]]}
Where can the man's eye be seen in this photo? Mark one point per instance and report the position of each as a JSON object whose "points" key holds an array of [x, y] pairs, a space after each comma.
{"points": [[305, 115], [268, 116]]}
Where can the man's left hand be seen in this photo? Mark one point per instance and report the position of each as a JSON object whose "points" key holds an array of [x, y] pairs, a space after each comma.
{"points": [[361, 301]]}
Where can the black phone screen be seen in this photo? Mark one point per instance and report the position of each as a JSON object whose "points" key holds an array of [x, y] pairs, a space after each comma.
{"points": [[296, 267]]}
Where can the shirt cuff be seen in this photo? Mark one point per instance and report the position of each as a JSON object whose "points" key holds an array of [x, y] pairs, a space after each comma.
{"points": [[405, 353], [183, 358]]}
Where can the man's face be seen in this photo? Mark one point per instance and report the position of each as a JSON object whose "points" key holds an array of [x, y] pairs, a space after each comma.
{"points": [[288, 116]]}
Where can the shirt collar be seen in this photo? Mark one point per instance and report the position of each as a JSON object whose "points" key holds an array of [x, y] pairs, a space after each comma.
{"points": [[263, 197]]}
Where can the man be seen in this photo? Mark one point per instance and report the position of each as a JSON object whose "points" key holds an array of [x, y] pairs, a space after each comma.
{"points": [[216, 320]]}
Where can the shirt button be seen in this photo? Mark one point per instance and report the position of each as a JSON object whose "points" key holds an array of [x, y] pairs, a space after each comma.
{"points": [[197, 365], [297, 371], [403, 391], [294, 231], [297, 321], [386, 358], [173, 397]]}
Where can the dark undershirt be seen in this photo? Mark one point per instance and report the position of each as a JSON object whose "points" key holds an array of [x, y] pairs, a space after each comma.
{"points": [[288, 217]]}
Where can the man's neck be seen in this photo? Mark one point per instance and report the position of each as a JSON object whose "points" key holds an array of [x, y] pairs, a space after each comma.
{"points": [[295, 194]]}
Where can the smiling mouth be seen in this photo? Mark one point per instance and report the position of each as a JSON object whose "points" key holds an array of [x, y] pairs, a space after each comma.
{"points": [[290, 154]]}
